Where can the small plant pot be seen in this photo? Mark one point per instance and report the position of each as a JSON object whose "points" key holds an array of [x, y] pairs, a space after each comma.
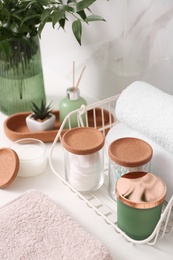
{"points": [[36, 125]]}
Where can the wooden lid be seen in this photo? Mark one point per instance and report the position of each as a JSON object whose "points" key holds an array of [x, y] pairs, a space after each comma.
{"points": [[130, 152], [83, 140], [9, 166]]}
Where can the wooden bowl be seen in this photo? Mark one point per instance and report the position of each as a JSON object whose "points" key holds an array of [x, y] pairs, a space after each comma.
{"points": [[15, 126]]}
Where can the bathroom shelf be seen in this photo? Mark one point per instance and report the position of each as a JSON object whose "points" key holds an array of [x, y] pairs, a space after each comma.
{"points": [[100, 201]]}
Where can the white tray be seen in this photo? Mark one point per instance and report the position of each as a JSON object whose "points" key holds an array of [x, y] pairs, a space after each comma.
{"points": [[100, 201]]}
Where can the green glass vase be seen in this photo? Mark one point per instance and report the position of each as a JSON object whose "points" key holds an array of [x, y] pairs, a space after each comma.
{"points": [[21, 75]]}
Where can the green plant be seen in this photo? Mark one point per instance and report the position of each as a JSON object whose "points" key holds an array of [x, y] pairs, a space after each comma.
{"points": [[21, 23], [27, 18], [42, 112]]}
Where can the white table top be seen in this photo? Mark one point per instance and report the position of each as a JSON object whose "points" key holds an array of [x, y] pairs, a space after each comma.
{"points": [[52, 186]]}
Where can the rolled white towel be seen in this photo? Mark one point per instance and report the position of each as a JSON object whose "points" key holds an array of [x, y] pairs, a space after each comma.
{"points": [[148, 110]]}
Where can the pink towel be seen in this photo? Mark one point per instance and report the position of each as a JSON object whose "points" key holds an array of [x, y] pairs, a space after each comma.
{"points": [[33, 227]]}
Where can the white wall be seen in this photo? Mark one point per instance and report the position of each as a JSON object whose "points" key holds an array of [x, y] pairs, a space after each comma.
{"points": [[135, 43]]}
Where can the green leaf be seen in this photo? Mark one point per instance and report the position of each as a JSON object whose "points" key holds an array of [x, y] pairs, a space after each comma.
{"points": [[66, 8], [71, 1], [40, 28], [41, 2], [84, 4], [82, 14], [25, 28], [14, 28], [62, 23], [30, 17], [57, 16], [77, 30], [5, 49], [45, 15], [41, 112], [29, 3], [93, 18]]}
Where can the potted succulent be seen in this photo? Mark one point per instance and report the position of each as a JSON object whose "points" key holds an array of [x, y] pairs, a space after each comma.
{"points": [[41, 118], [21, 25]]}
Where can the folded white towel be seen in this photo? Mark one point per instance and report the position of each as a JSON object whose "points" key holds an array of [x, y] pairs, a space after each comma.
{"points": [[148, 110]]}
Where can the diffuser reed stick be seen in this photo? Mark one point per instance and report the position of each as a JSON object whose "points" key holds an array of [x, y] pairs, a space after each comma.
{"points": [[77, 85], [73, 74]]}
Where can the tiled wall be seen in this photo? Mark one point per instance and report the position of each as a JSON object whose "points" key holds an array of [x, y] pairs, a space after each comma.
{"points": [[135, 43]]}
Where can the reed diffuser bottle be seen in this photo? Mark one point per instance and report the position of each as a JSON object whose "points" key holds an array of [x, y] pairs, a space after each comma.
{"points": [[71, 102]]}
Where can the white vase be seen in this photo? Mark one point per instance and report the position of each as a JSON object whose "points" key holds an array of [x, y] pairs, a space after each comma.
{"points": [[35, 125]]}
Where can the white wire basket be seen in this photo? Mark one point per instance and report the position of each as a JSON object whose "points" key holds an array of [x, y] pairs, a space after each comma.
{"points": [[100, 200]]}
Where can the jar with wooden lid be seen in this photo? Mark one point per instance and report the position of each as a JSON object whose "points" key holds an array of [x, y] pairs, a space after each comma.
{"points": [[140, 197], [84, 158], [127, 154]]}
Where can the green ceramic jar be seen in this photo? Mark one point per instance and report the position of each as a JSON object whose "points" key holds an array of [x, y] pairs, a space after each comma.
{"points": [[140, 196]]}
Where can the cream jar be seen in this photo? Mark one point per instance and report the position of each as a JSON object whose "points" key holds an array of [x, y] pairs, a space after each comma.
{"points": [[127, 155], [84, 158], [32, 156], [140, 196]]}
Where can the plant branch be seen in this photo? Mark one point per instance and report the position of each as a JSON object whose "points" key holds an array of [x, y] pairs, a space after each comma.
{"points": [[28, 17]]}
